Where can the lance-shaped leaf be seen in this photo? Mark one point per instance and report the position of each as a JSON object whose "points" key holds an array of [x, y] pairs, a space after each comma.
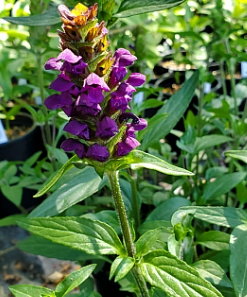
{"points": [[69, 164], [238, 260], [166, 272], [146, 241], [207, 141], [130, 7], [175, 108], [222, 216], [120, 267], [30, 291], [50, 17], [86, 183], [92, 237], [138, 159], [237, 154], [214, 240], [40, 246], [73, 280], [222, 185]]}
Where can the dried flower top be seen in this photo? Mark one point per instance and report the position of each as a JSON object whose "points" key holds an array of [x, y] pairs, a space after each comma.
{"points": [[92, 88]]}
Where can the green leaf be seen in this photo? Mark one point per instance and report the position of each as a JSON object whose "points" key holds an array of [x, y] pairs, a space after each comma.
{"points": [[166, 209], [13, 193], [222, 216], [129, 7], [11, 220], [238, 260], [86, 183], [158, 293], [29, 291], [237, 154], [92, 237], [59, 154], [212, 272], [214, 240], [50, 17], [73, 280], [40, 246], [138, 159], [207, 141], [175, 107], [151, 225], [166, 272], [59, 174], [10, 172], [146, 241], [222, 185], [120, 267]]}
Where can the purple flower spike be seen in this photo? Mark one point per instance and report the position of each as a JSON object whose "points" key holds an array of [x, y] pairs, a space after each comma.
{"points": [[117, 74], [106, 128], [94, 79], [75, 145], [76, 128], [123, 57], [97, 152], [69, 56], [141, 125], [136, 79], [127, 146], [52, 63], [61, 84], [56, 101]]}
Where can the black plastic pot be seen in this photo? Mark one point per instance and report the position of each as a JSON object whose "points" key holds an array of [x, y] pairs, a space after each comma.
{"points": [[20, 149], [23, 147]]}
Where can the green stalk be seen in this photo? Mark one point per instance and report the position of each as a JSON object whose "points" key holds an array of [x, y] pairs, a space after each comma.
{"points": [[136, 212], [42, 94], [124, 223], [223, 81]]}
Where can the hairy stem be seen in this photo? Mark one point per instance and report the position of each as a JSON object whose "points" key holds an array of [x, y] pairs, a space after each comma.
{"points": [[124, 223]]}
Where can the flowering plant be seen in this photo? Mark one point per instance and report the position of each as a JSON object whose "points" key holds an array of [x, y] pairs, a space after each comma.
{"points": [[94, 92]]}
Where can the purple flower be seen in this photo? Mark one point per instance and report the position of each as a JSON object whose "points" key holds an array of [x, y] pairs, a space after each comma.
{"points": [[94, 80], [136, 79], [121, 97], [52, 63], [106, 128], [56, 101], [126, 146], [75, 145], [141, 125], [77, 128], [119, 102], [69, 56], [97, 152], [86, 105], [73, 64], [117, 74], [75, 69], [123, 57], [62, 83]]}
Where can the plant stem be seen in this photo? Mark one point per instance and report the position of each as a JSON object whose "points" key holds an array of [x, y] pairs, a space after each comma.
{"points": [[136, 211], [42, 94], [223, 79], [124, 223]]}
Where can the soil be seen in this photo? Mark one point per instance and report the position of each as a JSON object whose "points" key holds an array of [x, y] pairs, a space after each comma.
{"points": [[172, 65], [18, 267], [171, 90], [16, 131]]}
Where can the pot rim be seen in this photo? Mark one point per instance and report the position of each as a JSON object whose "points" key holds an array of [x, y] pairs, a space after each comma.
{"points": [[32, 127]]}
